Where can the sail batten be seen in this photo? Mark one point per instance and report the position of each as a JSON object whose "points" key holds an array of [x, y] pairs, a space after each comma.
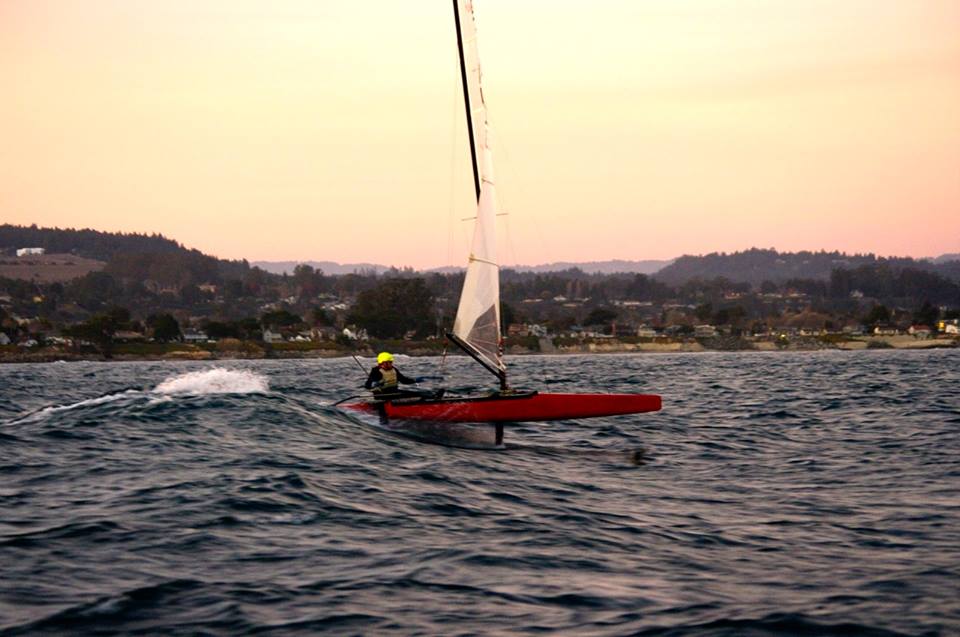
{"points": [[478, 313]]}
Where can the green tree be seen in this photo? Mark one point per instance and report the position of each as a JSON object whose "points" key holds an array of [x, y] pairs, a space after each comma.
{"points": [[560, 324], [704, 311], [394, 307], [191, 294], [600, 316], [233, 289], [222, 329], [93, 290], [507, 314], [321, 316], [250, 328], [877, 314], [643, 287], [101, 328], [279, 318], [165, 327], [120, 317], [730, 315], [309, 282], [927, 315]]}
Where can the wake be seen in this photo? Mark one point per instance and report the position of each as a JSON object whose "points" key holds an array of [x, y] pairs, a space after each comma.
{"points": [[217, 380]]}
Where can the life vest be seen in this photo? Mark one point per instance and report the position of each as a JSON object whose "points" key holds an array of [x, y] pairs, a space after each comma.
{"points": [[389, 378]]}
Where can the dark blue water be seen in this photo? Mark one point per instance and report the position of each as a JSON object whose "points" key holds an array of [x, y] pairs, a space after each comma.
{"points": [[775, 494]]}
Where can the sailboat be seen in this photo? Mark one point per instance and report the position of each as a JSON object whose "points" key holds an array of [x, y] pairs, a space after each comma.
{"points": [[476, 328]]}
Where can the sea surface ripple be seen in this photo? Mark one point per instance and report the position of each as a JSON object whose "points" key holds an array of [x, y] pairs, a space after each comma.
{"points": [[775, 494]]}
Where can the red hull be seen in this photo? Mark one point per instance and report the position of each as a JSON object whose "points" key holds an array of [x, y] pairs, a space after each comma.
{"points": [[519, 408]]}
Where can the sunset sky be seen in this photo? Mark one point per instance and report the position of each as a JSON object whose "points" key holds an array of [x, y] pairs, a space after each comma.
{"points": [[623, 129]]}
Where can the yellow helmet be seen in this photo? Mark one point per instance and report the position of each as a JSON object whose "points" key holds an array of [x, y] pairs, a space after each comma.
{"points": [[383, 357]]}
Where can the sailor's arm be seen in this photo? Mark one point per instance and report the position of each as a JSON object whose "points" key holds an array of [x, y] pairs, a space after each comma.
{"points": [[374, 378]]}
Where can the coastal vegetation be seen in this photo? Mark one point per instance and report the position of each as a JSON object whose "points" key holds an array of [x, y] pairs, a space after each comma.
{"points": [[152, 297]]}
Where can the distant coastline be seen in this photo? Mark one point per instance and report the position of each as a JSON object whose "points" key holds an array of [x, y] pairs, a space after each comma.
{"points": [[256, 350], [88, 295], [611, 266]]}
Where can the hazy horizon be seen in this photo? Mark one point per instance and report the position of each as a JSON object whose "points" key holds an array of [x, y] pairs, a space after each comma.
{"points": [[348, 264], [632, 130], [388, 265]]}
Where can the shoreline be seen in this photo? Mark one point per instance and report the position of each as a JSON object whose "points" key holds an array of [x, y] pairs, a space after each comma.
{"points": [[545, 347]]}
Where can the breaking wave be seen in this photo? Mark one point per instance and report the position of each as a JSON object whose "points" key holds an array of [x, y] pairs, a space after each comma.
{"points": [[215, 381]]}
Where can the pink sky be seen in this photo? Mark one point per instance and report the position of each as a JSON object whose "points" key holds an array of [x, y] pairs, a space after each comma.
{"points": [[634, 129]]}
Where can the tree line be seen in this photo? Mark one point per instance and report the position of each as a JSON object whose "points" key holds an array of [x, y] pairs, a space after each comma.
{"points": [[152, 276]]}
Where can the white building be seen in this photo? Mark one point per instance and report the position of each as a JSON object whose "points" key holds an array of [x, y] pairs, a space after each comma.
{"points": [[704, 331], [194, 336], [269, 336], [27, 252], [358, 335], [537, 330]]}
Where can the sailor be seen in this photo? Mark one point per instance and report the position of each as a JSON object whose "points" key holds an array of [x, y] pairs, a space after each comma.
{"points": [[384, 379]]}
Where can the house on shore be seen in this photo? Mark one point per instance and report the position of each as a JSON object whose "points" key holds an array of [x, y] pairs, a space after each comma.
{"points": [[191, 335], [704, 331], [269, 336]]}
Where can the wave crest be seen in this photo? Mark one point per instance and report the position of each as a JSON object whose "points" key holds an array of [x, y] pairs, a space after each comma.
{"points": [[217, 380]]}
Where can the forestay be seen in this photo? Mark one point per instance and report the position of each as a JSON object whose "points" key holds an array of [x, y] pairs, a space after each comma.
{"points": [[478, 315]]}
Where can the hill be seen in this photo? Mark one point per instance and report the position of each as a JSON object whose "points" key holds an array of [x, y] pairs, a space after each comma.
{"points": [[131, 256], [755, 266], [599, 267], [87, 243], [590, 267], [328, 267]]}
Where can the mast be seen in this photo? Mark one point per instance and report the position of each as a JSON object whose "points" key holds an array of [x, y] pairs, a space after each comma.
{"points": [[476, 328], [466, 99]]}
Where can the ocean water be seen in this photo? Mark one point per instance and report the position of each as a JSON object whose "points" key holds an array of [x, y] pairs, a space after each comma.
{"points": [[776, 494]]}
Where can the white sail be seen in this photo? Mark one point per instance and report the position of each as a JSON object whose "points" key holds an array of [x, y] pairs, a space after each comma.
{"points": [[478, 315], [471, 60]]}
